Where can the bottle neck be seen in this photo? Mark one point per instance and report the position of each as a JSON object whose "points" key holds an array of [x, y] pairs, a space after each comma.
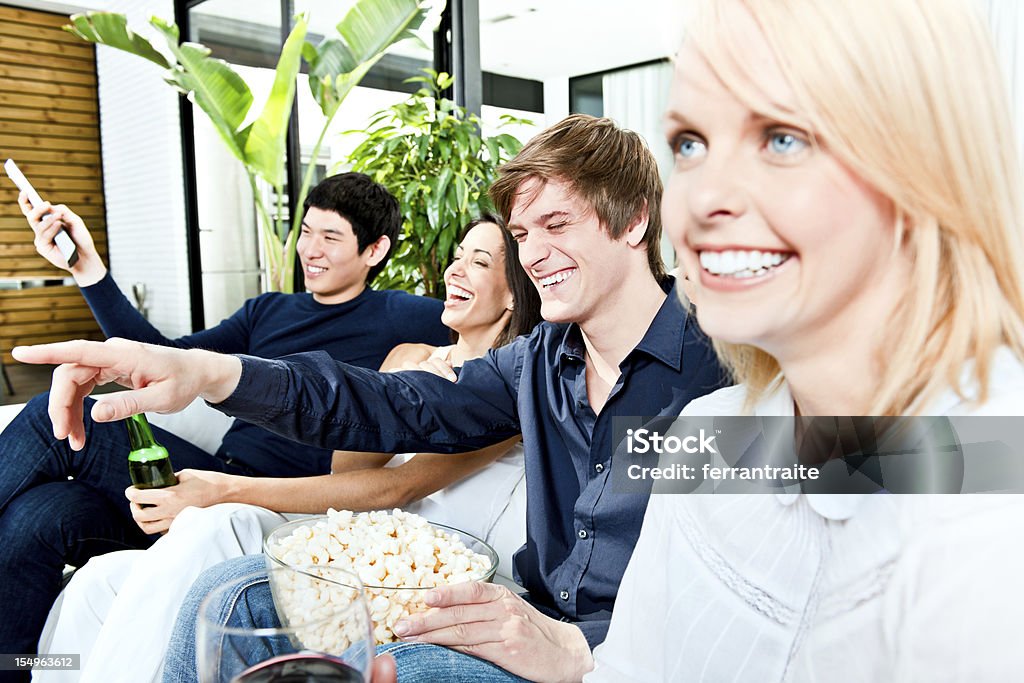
{"points": [[140, 436]]}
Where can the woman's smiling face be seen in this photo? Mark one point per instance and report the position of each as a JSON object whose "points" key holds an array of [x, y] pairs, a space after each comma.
{"points": [[477, 293], [787, 247]]}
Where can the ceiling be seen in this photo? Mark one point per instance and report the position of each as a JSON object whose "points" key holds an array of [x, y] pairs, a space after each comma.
{"points": [[542, 39], [535, 39]]}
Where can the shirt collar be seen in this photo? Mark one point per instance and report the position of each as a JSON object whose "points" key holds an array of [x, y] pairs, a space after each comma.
{"points": [[572, 347], [663, 340]]}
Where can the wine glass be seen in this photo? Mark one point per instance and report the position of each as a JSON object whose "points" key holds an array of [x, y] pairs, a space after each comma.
{"points": [[286, 625]]}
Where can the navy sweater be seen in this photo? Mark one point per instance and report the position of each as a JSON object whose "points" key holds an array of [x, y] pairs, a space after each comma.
{"points": [[361, 332]]}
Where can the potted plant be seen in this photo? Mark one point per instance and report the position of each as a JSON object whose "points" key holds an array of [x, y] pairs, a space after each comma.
{"points": [[336, 65], [430, 154]]}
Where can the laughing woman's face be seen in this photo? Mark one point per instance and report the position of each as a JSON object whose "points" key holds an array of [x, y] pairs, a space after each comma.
{"points": [[788, 249]]}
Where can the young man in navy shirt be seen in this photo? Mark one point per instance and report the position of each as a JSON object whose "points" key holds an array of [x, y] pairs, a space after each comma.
{"points": [[349, 227], [582, 201]]}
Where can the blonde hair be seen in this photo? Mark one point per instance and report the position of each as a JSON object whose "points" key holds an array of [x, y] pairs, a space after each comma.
{"points": [[908, 94]]}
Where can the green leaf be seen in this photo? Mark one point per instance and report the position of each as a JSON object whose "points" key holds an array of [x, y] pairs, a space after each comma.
{"points": [[432, 163], [365, 33], [443, 179], [309, 52], [265, 146], [110, 29], [372, 26], [444, 242], [462, 193], [216, 88], [509, 144], [493, 149]]}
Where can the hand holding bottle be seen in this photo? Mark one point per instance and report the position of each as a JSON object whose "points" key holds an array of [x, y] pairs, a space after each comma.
{"points": [[155, 509]]}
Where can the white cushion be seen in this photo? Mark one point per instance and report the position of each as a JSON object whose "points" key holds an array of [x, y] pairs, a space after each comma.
{"points": [[198, 423], [7, 414]]}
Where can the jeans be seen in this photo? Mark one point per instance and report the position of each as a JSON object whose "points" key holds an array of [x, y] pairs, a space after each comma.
{"points": [[44, 528], [254, 606], [180, 664], [47, 521]]}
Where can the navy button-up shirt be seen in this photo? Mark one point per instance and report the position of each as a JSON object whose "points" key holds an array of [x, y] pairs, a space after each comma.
{"points": [[580, 535]]}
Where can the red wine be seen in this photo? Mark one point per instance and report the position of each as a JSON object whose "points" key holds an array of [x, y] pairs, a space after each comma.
{"points": [[300, 668]]}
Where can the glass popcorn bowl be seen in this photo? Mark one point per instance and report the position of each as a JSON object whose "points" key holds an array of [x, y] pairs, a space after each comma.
{"points": [[305, 544]]}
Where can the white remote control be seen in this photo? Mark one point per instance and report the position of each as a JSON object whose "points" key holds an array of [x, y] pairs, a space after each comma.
{"points": [[63, 242]]}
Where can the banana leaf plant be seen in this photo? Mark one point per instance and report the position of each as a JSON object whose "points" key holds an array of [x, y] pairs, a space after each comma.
{"points": [[365, 33], [429, 152]]}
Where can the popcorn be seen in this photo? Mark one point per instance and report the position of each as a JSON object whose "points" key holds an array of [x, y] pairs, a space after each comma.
{"points": [[396, 555]]}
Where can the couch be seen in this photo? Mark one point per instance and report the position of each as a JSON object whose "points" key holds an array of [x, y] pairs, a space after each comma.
{"points": [[205, 427]]}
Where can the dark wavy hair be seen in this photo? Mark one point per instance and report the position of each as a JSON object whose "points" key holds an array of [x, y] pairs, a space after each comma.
{"points": [[526, 300]]}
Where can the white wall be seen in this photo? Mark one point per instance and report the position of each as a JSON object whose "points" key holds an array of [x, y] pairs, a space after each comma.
{"points": [[142, 168], [556, 99]]}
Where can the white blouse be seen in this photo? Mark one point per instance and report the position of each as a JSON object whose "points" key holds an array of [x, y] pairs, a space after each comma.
{"points": [[826, 587]]}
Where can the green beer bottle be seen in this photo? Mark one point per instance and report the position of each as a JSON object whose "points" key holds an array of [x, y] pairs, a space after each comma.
{"points": [[149, 464]]}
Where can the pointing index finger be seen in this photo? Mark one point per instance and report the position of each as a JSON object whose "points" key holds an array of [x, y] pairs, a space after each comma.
{"points": [[94, 354]]}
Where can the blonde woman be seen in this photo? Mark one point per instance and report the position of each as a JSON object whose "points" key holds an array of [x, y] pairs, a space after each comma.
{"points": [[847, 198]]}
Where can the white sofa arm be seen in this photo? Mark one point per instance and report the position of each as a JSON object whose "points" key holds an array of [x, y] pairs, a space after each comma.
{"points": [[198, 423], [7, 413]]}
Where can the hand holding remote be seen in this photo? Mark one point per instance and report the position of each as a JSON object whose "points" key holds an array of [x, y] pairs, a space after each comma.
{"points": [[47, 221], [63, 242]]}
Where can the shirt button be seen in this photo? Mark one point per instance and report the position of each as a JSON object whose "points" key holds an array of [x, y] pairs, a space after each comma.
{"points": [[564, 595], [582, 533], [581, 405], [599, 467]]}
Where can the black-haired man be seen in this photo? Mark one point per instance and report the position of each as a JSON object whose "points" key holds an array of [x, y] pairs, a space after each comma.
{"points": [[349, 227]]}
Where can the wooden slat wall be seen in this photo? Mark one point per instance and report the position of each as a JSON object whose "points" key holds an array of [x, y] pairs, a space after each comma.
{"points": [[43, 314], [49, 124]]}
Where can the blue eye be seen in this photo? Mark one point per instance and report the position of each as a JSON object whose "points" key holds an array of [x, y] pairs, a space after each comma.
{"points": [[785, 143], [690, 148]]}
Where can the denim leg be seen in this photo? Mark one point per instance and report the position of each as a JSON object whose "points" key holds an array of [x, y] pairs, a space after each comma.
{"points": [[253, 606], [40, 531], [248, 605], [427, 663], [30, 455], [47, 520]]}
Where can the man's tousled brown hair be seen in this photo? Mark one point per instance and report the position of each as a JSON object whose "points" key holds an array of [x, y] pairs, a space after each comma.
{"points": [[609, 167]]}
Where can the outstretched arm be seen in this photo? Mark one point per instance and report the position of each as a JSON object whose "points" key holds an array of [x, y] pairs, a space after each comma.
{"points": [[114, 313], [309, 398], [163, 380]]}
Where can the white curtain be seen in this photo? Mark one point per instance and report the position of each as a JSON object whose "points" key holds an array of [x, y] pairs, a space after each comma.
{"points": [[636, 99], [1006, 19]]}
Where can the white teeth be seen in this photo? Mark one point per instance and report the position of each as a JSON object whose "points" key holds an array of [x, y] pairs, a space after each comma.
{"points": [[560, 276], [315, 269], [459, 292], [741, 264]]}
